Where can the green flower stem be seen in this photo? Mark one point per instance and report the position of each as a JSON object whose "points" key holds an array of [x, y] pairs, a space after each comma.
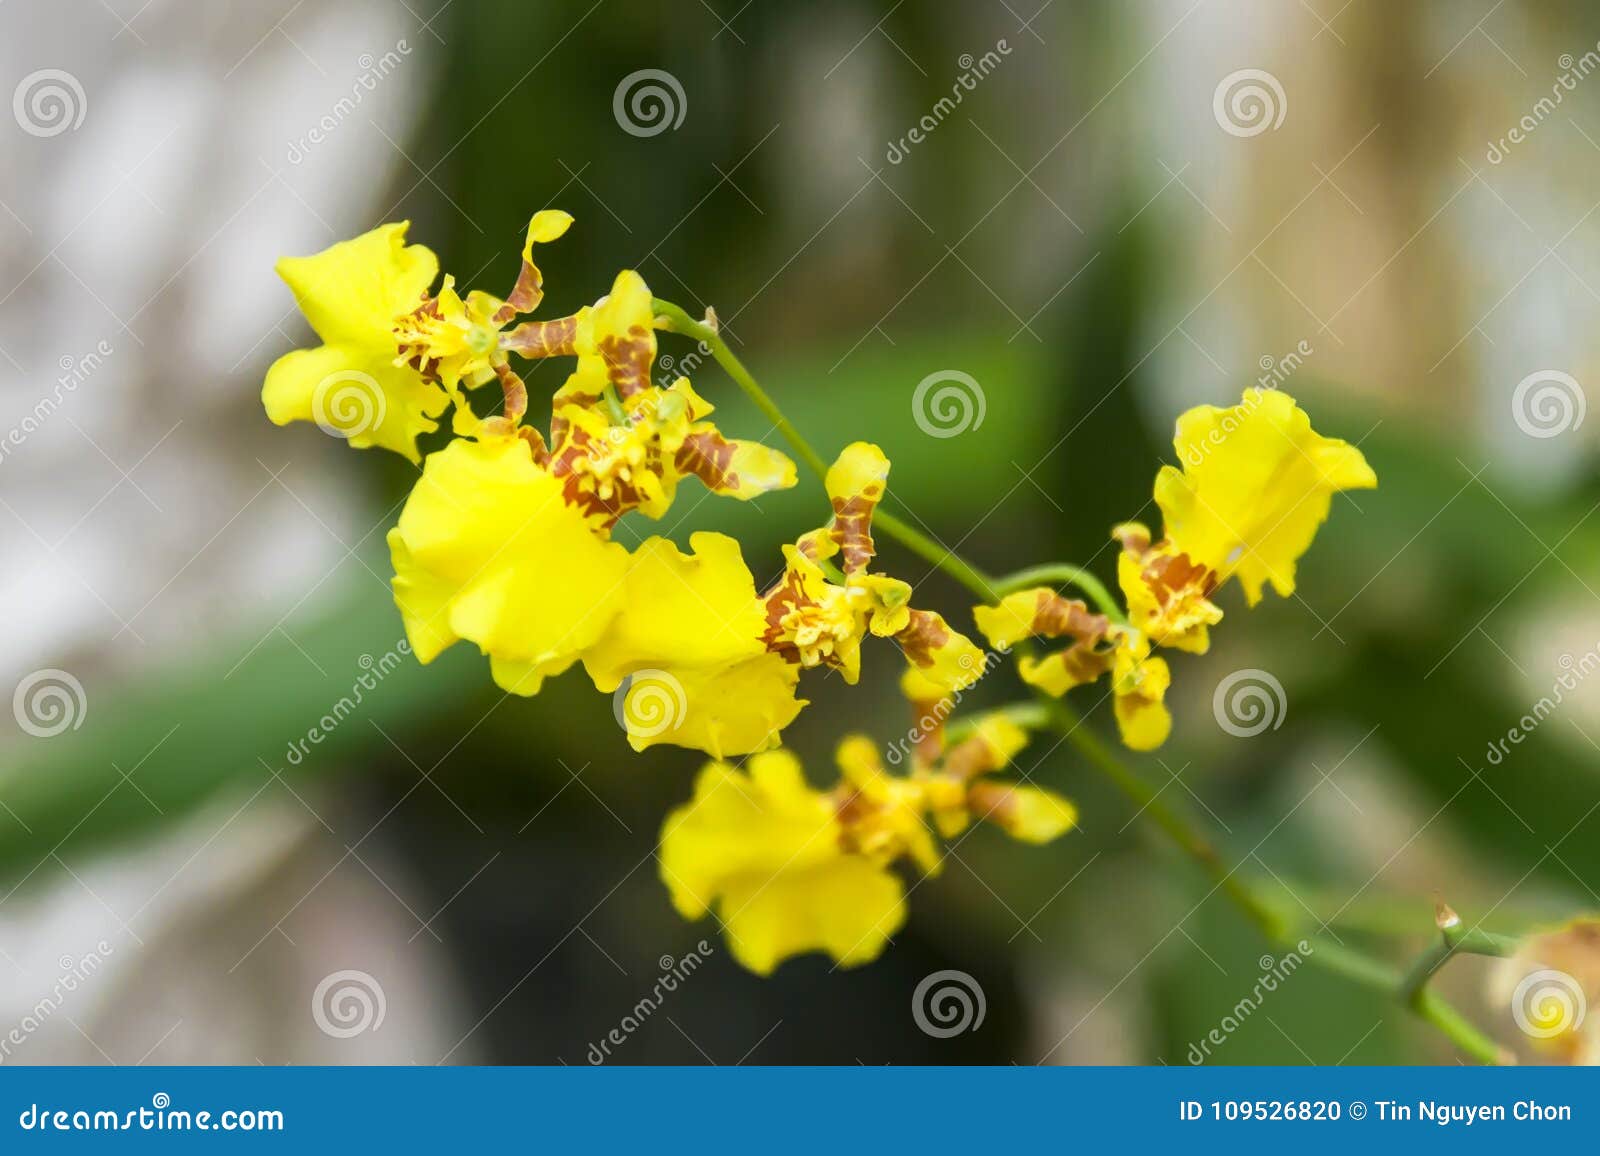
{"points": [[678, 321], [1055, 573], [1051, 712], [1196, 846]]}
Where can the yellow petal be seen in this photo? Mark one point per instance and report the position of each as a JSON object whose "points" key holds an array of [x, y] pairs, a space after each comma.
{"points": [[620, 331], [738, 469], [352, 292], [1256, 483], [855, 483], [724, 711], [764, 849], [1062, 670], [487, 550], [691, 610], [354, 393], [1038, 612], [1139, 687], [946, 657], [1028, 814], [546, 226]]}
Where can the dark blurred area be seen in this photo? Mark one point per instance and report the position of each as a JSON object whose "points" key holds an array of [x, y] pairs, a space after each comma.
{"points": [[1081, 234]]}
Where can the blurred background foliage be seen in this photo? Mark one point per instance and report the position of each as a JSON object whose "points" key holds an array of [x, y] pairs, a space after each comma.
{"points": [[1429, 616]]}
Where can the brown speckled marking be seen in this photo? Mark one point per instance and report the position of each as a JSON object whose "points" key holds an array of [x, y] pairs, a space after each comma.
{"points": [[923, 635], [628, 360], [535, 440], [1058, 617], [516, 394], [1168, 574], [970, 758], [784, 597], [707, 455], [525, 294], [852, 528], [535, 339]]}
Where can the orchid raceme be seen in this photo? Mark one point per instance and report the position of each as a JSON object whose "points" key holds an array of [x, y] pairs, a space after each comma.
{"points": [[512, 540], [353, 294]]}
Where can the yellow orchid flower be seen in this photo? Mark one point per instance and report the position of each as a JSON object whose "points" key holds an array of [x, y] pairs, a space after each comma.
{"points": [[1042, 613], [791, 869], [393, 356], [487, 550], [349, 385], [689, 628], [775, 859], [1256, 483], [1167, 592], [1096, 644], [814, 620], [634, 459], [952, 779], [459, 341]]}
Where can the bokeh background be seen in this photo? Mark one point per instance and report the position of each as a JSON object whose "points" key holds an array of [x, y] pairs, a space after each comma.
{"points": [[1083, 235]]}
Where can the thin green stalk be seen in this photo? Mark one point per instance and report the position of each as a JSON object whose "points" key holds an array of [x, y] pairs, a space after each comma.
{"points": [[1425, 1002], [1149, 802], [1055, 573], [679, 321]]}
